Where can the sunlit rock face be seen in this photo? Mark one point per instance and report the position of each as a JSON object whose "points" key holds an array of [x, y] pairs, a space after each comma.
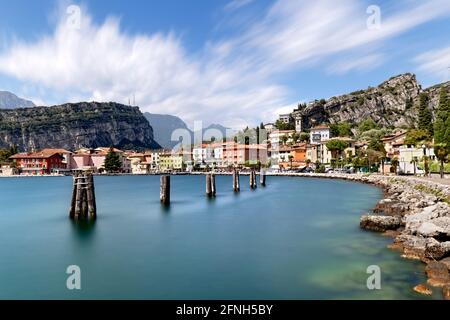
{"points": [[71, 126], [394, 103]]}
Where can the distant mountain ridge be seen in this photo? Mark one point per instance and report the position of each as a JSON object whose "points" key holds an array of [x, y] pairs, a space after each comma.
{"points": [[74, 125], [165, 125], [9, 100]]}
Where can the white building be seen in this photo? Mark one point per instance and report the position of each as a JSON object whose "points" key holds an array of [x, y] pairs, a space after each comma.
{"points": [[269, 127], [276, 137], [410, 156], [203, 154], [320, 134], [286, 118]]}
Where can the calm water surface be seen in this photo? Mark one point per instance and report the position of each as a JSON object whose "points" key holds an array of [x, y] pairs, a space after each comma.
{"points": [[295, 239]]}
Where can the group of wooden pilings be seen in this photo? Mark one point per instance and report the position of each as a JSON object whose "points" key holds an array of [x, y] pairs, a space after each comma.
{"points": [[211, 190], [83, 205]]}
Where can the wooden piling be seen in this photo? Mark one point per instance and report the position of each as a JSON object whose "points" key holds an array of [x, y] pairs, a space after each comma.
{"points": [[213, 184], [164, 193], [83, 205], [74, 198], [209, 191], [91, 203], [253, 179], [77, 209], [236, 183], [262, 177]]}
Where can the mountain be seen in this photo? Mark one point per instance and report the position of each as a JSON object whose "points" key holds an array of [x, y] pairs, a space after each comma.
{"points": [[165, 125], [394, 103], [9, 100], [71, 126]]}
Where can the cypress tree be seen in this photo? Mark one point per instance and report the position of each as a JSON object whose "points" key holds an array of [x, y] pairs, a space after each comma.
{"points": [[442, 130], [425, 115]]}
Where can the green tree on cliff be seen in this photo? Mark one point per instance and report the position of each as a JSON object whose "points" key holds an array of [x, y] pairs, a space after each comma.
{"points": [[112, 161], [425, 116], [442, 130]]}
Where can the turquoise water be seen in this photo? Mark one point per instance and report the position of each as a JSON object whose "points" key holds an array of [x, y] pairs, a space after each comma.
{"points": [[297, 238]]}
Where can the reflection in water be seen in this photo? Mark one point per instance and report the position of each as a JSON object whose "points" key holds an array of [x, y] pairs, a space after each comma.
{"points": [[165, 209], [83, 229]]}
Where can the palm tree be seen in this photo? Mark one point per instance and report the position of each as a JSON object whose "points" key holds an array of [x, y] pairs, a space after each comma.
{"points": [[291, 157], [441, 152], [284, 139], [394, 164]]}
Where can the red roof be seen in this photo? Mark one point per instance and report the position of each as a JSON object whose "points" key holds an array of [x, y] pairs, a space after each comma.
{"points": [[44, 154]]}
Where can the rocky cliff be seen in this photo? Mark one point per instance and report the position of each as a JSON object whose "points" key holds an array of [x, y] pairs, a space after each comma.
{"points": [[72, 126], [394, 103]]}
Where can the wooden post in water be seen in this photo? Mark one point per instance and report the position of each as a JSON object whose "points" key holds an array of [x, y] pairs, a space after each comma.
{"points": [[213, 184], [252, 179], [262, 177], [74, 198], [83, 205], [209, 192], [91, 203], [77, 209], [164, 191], [236, 184]]}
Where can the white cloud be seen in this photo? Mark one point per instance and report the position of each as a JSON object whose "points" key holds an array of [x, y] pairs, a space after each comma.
{"points": [[435, 62], [230, 82], [363, 63], [237, 4]]}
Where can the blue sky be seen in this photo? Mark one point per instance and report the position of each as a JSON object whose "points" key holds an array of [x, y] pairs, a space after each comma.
{"points": [[234, 62]]}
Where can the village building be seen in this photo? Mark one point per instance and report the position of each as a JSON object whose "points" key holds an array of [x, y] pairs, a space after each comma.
{"points": [[285, 118], [320, 134], [47, 161]]}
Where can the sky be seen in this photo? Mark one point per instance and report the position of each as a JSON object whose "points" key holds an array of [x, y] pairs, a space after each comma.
{"points": [[233, 62]]}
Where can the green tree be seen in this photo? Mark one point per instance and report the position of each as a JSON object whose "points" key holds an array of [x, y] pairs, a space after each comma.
{"points": [[336, 147], [304, 137], [442, 130], [342, 129], [367, 125], [417, 137], [112, 161], [425, 115], [284, 139], [5, 154], [280, 125], [394, 165], [296, 137], [409, 104]]}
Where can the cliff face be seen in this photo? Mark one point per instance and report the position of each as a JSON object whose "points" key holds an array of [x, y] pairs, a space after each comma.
{"points": [[71, 126], [394, 103]]}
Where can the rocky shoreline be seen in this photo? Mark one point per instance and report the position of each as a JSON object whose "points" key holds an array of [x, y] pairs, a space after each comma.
{"points": [[416, 214]]}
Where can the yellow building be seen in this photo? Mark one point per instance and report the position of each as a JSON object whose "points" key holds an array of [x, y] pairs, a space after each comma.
{"points": [[169, 161]]}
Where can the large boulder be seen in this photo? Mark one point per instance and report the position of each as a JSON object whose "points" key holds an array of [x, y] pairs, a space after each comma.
{"points": [[438, 228], [380, 223], [436, 214], [438, 274], [446, 292], [437, 250]]}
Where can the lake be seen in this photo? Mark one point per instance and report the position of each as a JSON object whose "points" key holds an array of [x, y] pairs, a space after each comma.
{"points": [[297, 238]]}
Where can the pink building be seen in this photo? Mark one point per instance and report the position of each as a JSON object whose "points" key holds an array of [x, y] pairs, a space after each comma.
{"points": [[93, 159]]}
